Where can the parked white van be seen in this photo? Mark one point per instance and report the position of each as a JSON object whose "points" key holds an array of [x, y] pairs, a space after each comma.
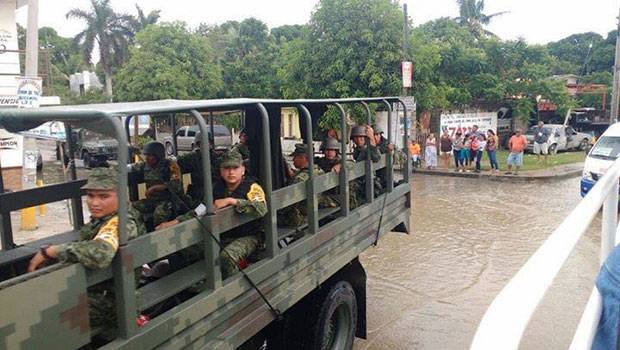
{"points": [[600, 157]]}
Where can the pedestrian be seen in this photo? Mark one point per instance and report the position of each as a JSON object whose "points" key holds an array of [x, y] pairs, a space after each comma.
{"points": [[466, 153], [541, 136], [608, 285], [445, 144], [474, 147], [430, 153], [492, 142], [457, 149], [482, 143], [516, 145], [414, 152]]}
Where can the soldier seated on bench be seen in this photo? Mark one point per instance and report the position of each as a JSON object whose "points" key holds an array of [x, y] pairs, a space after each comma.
{"points": [[97, 245], [233, 189]]}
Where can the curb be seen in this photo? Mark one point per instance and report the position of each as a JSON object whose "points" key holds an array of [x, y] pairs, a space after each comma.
{"points": [[523, 177]]}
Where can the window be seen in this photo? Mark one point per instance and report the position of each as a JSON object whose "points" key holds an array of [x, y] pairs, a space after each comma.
{"points": [[181, 132], [191, 133]]}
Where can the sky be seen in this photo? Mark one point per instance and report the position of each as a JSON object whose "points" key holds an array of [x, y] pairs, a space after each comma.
{"points": [[536, 21]]}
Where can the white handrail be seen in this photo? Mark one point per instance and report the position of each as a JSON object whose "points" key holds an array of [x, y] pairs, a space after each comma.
{"points": [[509, 314]]}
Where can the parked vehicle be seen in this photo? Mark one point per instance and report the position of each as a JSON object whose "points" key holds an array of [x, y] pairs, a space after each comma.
{"points": [[92, 148], [561, 138], [600, 158], [186, 134]]}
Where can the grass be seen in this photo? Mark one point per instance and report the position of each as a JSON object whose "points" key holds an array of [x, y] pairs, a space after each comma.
{"points": [[530, 160]]}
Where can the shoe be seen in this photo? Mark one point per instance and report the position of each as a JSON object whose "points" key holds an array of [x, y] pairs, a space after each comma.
{"points": [[508, 173]]}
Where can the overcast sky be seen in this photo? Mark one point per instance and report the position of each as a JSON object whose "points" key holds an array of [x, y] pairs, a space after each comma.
{"points": [[538, 21]]}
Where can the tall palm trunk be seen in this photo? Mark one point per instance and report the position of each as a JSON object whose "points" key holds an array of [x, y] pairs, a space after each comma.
{"points": [[108, 83]]}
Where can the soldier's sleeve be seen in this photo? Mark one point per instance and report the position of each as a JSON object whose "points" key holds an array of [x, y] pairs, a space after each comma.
{"points": [[185, 163], [375, 155], [186, 216], [137, 167], [255, 204], [175, 184], [301, 177], [96, 253]]}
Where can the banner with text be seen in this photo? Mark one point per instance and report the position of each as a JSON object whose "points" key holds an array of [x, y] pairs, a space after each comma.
{"points": [[11, 149], [464, 122]]}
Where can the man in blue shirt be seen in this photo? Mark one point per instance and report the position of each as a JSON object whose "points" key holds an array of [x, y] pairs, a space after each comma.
{"points": [[541, 136]]}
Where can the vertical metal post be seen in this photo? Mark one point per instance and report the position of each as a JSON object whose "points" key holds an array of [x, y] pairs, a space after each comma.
{"points": [[271, 229], [407, 170], [173, 125], [370, 184], [6, 237], [344, 173], [76, 202], [32, 39], [214, 273], [389, 158], [211, 131], [609, 223], [311, 197], [124, 279], [615, 96]]}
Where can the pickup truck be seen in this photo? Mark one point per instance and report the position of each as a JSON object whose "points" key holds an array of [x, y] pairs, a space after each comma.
{"points": [[186, 134], [561, 138]]}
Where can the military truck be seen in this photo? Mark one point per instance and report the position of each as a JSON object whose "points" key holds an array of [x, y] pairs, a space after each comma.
{"points": [[89, 146], [308, 292]]}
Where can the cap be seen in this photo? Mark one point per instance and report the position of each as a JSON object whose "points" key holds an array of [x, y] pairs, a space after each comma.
{"points": [[300, 148], [231, 159], [102, 179]]}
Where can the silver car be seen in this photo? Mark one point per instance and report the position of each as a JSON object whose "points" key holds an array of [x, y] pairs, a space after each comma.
{"points": [[186, 134], [561, 138]]}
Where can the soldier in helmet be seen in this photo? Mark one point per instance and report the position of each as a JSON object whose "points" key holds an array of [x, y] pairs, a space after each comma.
{"points": [[363, 137], [331, 159], [296, 214], [162, 177], [97, 244], [242, 145], [384, 147], [191, 162], [233, 189]]}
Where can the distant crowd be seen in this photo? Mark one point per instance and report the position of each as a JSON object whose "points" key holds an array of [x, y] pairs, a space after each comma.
{"points": [[466, 150]]}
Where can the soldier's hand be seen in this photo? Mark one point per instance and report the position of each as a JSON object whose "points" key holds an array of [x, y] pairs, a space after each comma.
{"points": [[37, 261], [370, 133], [224, 202], [167, 224], [336, 168]]}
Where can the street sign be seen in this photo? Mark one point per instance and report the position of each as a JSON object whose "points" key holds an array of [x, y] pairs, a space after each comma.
{"points": [[29, 91], [407, 71]]}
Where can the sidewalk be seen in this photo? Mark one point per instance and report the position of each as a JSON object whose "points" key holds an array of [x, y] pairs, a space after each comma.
{"points": [[552, 173]]}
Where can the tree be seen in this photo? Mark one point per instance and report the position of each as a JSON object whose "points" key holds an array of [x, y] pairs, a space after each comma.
{"points": [[471, 14], [169, 62], [141, 21], [109, 30], [576, 49]]}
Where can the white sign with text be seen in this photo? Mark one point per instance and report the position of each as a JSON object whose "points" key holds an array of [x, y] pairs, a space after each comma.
{"points": [[464, 122]]}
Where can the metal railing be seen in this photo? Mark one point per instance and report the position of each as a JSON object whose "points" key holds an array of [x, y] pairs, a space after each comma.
{"points": [[505, 321]]}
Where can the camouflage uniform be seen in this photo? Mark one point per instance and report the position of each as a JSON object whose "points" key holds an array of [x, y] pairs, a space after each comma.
{"points": [[162, 205], [244, 150], [382, 147], [96, 248], [240, 242], [295, 215], [358, 186]]}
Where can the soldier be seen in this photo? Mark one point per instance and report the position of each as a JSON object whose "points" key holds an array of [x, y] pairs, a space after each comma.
{"points": [[242, 145], [384, 147], [163, 179], [234, 189], [331, 159], [359, 134], [192, 163], [295, 215], [97, 245]]}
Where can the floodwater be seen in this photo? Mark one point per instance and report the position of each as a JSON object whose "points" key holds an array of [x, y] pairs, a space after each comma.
{"points": [[430, 289]]}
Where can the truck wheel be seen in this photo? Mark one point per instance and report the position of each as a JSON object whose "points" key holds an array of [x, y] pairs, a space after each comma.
{"points": [[583, 144], [334, 323], [169, 149], [87, 160]]}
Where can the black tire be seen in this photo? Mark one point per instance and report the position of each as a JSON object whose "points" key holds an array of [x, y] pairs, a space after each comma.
{"points": [[335, 319], [88, 160], [169, 149], [583, 145], [553, 149]]}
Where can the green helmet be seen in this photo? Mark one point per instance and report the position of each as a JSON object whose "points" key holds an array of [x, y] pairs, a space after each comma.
{"points": [[300, 148], [358, 130], [102, 179], [331, 143], [155, 148]]}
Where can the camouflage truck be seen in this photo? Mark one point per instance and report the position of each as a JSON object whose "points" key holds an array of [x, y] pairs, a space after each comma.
{"points": [[304, 289]]}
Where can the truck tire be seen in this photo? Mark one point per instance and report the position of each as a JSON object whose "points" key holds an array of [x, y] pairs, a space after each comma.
{"points": [[553, 149], [583, 145], [334, 321], [88, 160], [169, 148]]}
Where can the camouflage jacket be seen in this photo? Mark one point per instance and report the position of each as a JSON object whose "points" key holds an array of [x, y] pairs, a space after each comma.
{"points": [[166, 172], [99, 241], [326, 164], [296, 214], [382, 146], [359, 153], [192, 163], [244, 150]]}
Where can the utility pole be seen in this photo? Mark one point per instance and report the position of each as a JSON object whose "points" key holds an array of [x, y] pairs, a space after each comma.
{"points": [[32, 40], [615, 96], [405, 91]]}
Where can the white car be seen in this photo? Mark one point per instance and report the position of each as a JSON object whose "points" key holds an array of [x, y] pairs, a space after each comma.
{"points": [[600, 158], [561, 138], [186, 135]]}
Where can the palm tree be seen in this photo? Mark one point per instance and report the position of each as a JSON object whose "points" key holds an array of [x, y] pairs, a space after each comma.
{"points": [[109, 30], [471, 14], [141, 21]]}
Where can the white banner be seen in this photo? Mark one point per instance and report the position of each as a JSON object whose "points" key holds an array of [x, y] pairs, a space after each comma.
{"points": [[11, 149], [407, 71], [464, 122]]}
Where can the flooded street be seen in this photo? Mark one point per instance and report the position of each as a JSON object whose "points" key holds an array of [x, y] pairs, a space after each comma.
{"points": [[430, 289]]}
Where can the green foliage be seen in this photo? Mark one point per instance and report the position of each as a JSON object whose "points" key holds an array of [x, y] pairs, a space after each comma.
{"points": [[169, 62]]}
